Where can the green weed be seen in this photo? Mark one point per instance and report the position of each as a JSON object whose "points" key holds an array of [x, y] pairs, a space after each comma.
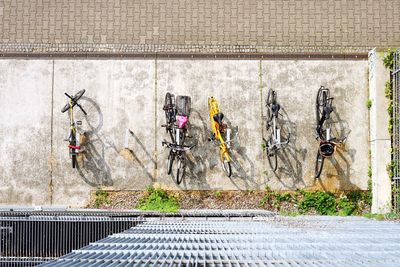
{"points": [[159, 200]]}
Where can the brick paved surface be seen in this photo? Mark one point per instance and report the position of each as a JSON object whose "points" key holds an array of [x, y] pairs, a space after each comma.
{"points": [[274, 23]]}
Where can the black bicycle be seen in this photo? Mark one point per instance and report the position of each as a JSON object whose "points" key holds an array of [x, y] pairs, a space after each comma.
{"points": [[177, 113], [327, 143], [73, 138], [275, 141]]}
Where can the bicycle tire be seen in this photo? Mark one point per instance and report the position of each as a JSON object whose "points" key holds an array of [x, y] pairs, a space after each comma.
{"points": [[170, 162], [320, 103], [74, 162], [319, 163], [268, 105], [167, 107], [65, 108], [226, 165], [78, 95], [180, 171], [272, 159]]}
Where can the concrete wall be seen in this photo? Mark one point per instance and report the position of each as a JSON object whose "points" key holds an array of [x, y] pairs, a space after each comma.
{"points": [[380, 137], [129, 94]]}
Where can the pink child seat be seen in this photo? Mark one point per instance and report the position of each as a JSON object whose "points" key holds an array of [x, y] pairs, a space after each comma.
{"points": [[182, 120]]}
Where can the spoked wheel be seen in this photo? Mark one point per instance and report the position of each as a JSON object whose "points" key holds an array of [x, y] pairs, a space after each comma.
{"points": [[170, 161], [168, 108], [319, 163], [321, 102], [180, 171], [73, 157], [78, 95], [271, 99], [75, 98], [72, 151], [226, 165], [272, 158]]}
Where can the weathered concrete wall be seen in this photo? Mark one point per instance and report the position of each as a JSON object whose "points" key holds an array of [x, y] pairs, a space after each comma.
{"points": [[297, 84], [129, 94], [119, 96], [25, 131]]}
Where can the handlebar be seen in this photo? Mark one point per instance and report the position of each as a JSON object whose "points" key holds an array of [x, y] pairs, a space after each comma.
{"points": [[177, 147]]}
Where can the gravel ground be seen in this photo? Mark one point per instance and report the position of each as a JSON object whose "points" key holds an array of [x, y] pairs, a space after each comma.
{"points": [[195, 200]]}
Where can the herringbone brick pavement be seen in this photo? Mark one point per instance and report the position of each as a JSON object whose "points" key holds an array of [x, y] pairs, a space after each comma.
{"points": [[297, 23]]}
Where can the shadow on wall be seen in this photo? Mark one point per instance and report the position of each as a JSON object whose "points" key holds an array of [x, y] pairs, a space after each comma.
{"points": [[92, 166], [291, 157], [130, 155], [204, 158], [337, 169], [196, 167], [242, 165]]}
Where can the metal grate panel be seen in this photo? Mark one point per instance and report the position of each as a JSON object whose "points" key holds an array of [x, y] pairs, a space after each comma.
{"points": [[275, 241], [30, 239]]}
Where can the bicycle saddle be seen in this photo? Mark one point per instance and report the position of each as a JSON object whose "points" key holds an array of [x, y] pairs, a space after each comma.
{"points": [[275, 109], [218, 117], [326, 149]]}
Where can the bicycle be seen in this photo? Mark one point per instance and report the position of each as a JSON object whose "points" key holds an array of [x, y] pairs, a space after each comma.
{"points": [[327, 143], [221, 135], [177, 113], [275, 141], [73, 138]]}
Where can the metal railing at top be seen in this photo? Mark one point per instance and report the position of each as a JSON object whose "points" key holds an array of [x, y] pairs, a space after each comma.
{"points": [[396, 132]]}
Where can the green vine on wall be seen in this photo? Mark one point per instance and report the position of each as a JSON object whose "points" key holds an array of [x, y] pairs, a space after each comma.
{"points": [[388, 62]]}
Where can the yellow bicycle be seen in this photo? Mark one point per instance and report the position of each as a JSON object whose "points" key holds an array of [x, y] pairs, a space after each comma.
{"points": [[73, 138], [220, 134]]}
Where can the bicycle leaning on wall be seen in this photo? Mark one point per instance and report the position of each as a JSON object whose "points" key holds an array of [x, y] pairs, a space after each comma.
{"points": [[275, 142], [221, 134], [177, 113], [74, 137], [327, 143]]}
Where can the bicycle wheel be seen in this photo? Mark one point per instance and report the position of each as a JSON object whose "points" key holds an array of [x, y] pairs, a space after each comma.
{"points": [[72, 152], [272, 158], [170, 161], [320, 103], [319, 163], [73, 158], [78, 95], [226, 165], [65, 108], [180, 171], [168, 108]]}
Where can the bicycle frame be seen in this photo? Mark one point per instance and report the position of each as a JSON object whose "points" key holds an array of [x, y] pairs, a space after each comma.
{"points": [[176, 128], [223, 145], [327, 143], [74, 137]]}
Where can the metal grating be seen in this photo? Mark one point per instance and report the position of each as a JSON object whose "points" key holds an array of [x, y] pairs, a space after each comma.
{"points": [[30, 238], [274, 241], [396, 132]]}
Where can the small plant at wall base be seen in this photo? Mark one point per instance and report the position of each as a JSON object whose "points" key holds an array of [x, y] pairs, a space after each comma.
{"points": [[157, 199], [101, 198], [319, 202]]}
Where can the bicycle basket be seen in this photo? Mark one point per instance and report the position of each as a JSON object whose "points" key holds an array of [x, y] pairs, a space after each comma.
{"points": [[183, 105], [326, 149]]}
